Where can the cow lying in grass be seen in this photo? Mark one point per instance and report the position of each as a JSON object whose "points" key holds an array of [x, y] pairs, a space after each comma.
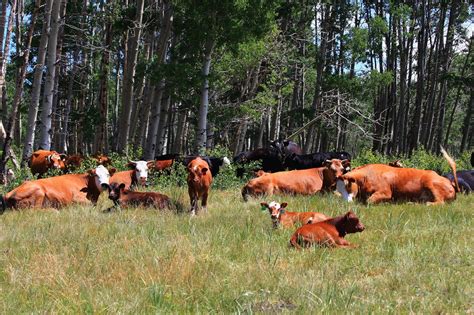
{"points": [[126, 198], [301, 182], [280, 215], [328, 233]]}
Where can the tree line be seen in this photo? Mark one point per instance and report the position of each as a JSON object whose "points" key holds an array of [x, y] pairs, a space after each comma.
{"points": [[182, 76]]}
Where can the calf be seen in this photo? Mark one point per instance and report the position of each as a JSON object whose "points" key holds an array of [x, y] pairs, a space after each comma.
{"points": [[43, 160], [301, 182], [280, 215], [199, 181], [124, 197], [74, 161], [329, 233], [137, 176], [59, 191]]}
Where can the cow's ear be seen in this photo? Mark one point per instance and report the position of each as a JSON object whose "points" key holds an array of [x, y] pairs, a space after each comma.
{"points": [[283, 205], [264, 206], [327, 163], [150, 164], [130, 164], [204, 170], [112, 171]]}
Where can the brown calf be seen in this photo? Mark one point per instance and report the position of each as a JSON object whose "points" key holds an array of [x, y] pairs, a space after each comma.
{"points": [[280, 215], [199, 182], [329, 233], [124, 197], [43, 160]]}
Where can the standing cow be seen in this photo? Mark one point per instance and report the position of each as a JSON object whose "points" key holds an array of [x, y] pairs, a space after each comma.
{"points": [[43, 160], [138, 175], [199, 182]]}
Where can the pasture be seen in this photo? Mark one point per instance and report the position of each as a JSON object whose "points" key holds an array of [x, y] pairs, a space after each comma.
{"points": [[411, 258]]}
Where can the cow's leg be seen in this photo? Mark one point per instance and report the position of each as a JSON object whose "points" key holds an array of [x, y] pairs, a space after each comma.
{"points": [[193, 199], [380, 196], [204, 202]]}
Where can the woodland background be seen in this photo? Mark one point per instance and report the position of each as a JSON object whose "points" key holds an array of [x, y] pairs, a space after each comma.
{"points": [[183, 76]]}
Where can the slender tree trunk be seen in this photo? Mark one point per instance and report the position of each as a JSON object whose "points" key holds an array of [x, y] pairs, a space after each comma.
{"points": [[160, 135], [3, 61], [468, 123], [150, 148]]}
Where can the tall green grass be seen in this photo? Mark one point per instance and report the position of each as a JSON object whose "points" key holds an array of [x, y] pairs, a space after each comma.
{"points": [[411, 258]]}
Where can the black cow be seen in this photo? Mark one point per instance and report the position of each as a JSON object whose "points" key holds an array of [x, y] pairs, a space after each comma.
{"points": [[465, 180], [305, 161], [270, 158], [286, 147]]}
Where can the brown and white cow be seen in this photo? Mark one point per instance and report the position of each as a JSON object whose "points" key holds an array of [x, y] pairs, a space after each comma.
{"points": [[124, 197], [59, 191], [328, 233], [374, 183], [136, 176], [301, 182], [280, 216], [43, 160], [199, 181]]}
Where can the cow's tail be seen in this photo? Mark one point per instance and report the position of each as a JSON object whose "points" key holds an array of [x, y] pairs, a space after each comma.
{"points": [[294, 241], [452, 164]]}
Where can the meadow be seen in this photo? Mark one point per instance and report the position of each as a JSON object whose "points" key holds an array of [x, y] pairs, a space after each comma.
{"points": [[411, 258]]}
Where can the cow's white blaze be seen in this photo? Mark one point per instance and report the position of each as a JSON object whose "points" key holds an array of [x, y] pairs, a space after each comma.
{"points": [[141, 170], [275, 205], [341, 188], [102, 176]]}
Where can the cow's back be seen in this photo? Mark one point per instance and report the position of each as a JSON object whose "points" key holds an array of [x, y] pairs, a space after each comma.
{"points": [[123, 177]]}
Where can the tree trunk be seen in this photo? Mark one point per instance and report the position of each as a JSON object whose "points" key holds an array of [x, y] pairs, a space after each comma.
{"points": [[45, 120], [150, 148], [3, 61], [160, 135]]}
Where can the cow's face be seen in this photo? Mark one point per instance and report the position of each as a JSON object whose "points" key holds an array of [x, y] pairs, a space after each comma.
{"points": [[335, 166], [56, 160], [275, 209], [115, 190], [196, 172], [347, 187], [102, 176], [141, 170], [352, 223]]}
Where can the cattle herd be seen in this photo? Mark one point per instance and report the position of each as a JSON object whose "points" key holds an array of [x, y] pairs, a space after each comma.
{"points": [[283, 170]]}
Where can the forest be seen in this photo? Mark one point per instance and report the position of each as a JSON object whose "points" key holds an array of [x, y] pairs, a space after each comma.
{"points": [[149, 77]]}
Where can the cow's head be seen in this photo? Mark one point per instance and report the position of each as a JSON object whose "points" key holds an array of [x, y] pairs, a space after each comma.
{"points": [[115, 190], [196, 172], [347, 187], [351, 223], [335, 166], [102, 176], [56, 160], [276, 210], [103, 159], [141, 170]]}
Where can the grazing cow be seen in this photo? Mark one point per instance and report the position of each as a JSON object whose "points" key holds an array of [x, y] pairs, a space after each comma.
{"points": [[465, 180], [305, 161], [74, 161], [199, 182], [328, 233], [59, 191], [396, 163], [102, 159], [269, 157], [375, 183], [124, 197], [280, 215], [137, 176], [302, 182], [42, 160]]}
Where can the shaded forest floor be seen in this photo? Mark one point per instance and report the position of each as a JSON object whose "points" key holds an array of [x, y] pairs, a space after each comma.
{"points": [[412, 258]]}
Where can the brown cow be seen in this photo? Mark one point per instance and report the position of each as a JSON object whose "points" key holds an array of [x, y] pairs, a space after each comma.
{"points": [[199, 182], [124, 197], [303, 182], [42, 160], [161, 165], [59, 191], [280, 215], [74, 161], [329, 233], [138, 175], [102, 159], [375, 183]]}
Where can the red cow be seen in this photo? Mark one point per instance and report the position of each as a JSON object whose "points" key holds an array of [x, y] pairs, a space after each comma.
{"points": [[59, 191], [302, 182], [328, 233], [124, 197], [42, 160], [376, 183], [74, 161], [199, 182], [280, 215], [102, 159]]}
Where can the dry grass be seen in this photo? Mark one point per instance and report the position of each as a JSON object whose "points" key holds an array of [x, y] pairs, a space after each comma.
{"points": [[412, 258]]}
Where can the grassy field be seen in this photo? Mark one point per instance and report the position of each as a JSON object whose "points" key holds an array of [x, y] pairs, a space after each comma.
{"points": [[412, 258]]}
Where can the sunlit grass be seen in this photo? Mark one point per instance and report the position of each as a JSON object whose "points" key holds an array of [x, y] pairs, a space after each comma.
{"points": [[412, 258]]}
